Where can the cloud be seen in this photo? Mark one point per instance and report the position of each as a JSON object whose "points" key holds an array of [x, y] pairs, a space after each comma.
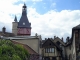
{"points": [[49, 24], [53, 5], [7, 11], [31, 0], [53, 22], [7, 25], [36, 0]]}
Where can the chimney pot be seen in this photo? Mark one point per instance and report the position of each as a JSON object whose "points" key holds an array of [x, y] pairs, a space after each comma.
{"points": [[3, 29], [54, 37]]}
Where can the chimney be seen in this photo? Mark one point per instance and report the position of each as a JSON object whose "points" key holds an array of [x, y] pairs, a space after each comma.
{"points": [[3, 29], [45, 38], [36, 35], [62, 38], [67, 39], [54, 37]]}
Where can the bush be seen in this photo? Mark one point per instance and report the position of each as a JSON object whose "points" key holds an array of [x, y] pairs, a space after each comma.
{"points": [[11, 51]]}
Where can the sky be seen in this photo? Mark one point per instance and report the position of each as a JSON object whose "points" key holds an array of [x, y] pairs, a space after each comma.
{"points": [[48, 18]]}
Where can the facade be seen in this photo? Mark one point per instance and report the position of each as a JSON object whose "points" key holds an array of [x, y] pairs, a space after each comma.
{"points": [[51, 50], [48, 49]]}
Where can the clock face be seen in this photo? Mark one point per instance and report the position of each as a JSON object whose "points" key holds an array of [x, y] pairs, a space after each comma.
{"points": [[24, 31], [23, 23]]}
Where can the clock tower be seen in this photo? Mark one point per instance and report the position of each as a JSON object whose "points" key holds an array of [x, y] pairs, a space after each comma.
{"points": [[24, 27]]}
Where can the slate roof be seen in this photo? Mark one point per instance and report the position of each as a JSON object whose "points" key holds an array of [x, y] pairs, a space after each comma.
{"points": [[15, 19], [24, 19], [76, 27], [24, 23], [6, 34]]}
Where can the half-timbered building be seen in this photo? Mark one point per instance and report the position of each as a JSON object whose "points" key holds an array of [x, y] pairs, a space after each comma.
{"points": [[51, 51]]}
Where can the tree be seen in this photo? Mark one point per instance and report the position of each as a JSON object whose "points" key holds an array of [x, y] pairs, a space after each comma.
{"points": [[11, 51]]}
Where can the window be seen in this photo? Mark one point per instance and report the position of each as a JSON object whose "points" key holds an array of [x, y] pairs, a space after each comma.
{"points": [[52, 50], [49, 50], [46, 50]]}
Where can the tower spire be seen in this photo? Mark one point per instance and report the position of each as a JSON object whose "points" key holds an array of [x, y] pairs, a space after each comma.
{"points": [[24, 10], [24, 4], [24, 26], [15, 19]]}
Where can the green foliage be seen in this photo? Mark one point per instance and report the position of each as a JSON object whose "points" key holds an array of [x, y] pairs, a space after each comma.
{"points": [[16, 57], [11, 51]]}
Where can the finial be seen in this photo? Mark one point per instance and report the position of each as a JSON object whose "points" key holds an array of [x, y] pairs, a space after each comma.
{"points": [[24, 5], [15, 19]]}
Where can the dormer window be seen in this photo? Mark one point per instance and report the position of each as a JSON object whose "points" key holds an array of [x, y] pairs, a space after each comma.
{"points": [[23, 23]]}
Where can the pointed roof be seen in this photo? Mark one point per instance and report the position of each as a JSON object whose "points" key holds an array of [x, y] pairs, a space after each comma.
{"points": [[72, 37], [24, 23], [57, 39], [76, 27], [47, 43], [15, 19]]}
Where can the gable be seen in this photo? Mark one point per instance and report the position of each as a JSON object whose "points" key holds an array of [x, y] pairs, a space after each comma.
{"points": [[48, 43], [58, 41]]}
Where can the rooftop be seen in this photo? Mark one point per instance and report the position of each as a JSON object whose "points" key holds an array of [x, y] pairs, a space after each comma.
{"points": [[76, 27]]}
